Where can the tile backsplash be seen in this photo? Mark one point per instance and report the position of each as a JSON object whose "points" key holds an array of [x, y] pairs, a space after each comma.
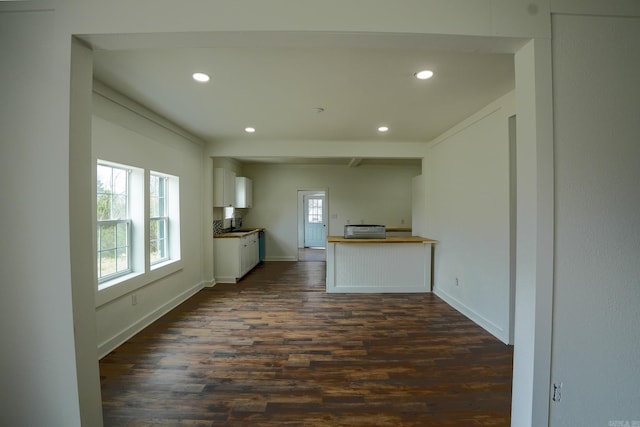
{"points": [[219, 225]]}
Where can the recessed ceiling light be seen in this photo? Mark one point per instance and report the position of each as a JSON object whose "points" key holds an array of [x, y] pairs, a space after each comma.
{"points": [[200, 77], [249, 129], [383, 129], [424, 74]]}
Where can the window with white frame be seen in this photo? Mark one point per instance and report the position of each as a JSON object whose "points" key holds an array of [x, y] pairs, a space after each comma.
{"points": [[158, 218], [123, 194], [114, 221]]}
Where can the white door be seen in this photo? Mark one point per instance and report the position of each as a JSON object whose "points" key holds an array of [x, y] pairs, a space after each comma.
{"points": [[314, 222]]}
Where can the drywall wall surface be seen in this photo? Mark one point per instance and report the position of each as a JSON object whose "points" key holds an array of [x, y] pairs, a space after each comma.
{"points": [[363, 194], [37, 361], [82, 235], [596, 314], [509, 18], [534, 228], [119, 135], [468, 213], [30, 149]]}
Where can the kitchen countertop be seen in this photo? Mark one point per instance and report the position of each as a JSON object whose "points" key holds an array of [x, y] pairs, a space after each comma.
{"points": [[389, 239], [398, 229], [238, 233]]}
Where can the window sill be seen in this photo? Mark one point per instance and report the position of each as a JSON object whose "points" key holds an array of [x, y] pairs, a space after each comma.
{"points": [[124, 285]]}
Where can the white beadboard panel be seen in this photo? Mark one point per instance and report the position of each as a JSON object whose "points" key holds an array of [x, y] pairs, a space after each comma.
{"points": [[369, 267]]}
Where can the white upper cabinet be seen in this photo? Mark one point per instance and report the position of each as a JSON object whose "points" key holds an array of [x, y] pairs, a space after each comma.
{"points": [[224, 187], [244, 192]]}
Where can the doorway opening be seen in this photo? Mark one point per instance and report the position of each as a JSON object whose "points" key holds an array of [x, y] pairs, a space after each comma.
{"points": [[312, 224]]}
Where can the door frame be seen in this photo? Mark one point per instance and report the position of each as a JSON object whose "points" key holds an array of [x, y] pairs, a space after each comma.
{"points": [[310, 192]]}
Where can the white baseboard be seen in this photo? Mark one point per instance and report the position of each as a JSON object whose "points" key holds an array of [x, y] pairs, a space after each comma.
{"points": [[225, 279], [281, 258], [120, 338], [501, 333], [392, 288]]}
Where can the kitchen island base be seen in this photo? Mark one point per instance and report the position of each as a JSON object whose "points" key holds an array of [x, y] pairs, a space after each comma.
{"points": [[394, 264]]}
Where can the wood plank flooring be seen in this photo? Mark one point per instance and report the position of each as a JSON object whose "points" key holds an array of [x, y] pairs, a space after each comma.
{"points": [[276, 350]]}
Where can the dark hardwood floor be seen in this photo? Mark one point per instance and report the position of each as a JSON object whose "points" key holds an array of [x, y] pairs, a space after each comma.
{"points": [[276, 350], [312, 254]]}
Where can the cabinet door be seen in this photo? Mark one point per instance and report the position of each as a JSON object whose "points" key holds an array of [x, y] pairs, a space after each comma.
{"points": [[229, 188], [243, 256], [224, 187], [249, 253], [246, 254], [226, 260], [244, 192], [255, 256]]}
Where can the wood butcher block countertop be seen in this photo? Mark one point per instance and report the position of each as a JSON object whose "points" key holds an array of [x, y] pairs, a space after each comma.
{"points": [[389, 239], [237, 233]]}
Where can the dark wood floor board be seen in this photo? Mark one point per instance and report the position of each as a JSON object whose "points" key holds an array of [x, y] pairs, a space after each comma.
{"points": [[276, 350]]}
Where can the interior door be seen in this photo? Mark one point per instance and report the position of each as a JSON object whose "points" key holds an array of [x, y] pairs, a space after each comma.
{"points": [[314, 222]]}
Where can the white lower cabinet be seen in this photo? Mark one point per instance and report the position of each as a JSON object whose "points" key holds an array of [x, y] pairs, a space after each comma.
{"points": [[234, 257], [249, 253]]}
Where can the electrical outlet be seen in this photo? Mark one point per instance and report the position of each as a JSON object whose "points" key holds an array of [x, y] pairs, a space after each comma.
{"points": [[557, 392], [134, 299], [402, 221]]}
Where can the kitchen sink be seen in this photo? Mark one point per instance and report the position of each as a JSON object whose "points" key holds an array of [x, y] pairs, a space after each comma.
{"points": [[242, 230], [239, 231]]}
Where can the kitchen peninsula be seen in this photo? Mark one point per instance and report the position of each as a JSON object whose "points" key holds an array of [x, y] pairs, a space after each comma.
{"points": [[391, 264]]}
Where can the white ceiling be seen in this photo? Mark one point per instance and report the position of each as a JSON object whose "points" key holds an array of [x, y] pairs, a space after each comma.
{"points": [[274, 81]]}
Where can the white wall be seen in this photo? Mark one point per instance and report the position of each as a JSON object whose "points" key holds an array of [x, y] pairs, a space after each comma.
{"points": [[37, 360], [596, 314], [118, 135], [468, 213], [534, 229], [369, 194], [83, 234], [35, 73]]}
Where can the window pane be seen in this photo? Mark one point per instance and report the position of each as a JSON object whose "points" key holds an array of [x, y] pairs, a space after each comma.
{"points": [[104, 206], [153, 207], [153, 229], [113, 240], [119, 207], [158, 239], [162, 232], [104, 179], [107, 262], [162, 199], [107, 236], [119, 181], [121, 234], [157, 200], [122, 259], [158, 222], [314, 213], [153, 186], [155, 254]]}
